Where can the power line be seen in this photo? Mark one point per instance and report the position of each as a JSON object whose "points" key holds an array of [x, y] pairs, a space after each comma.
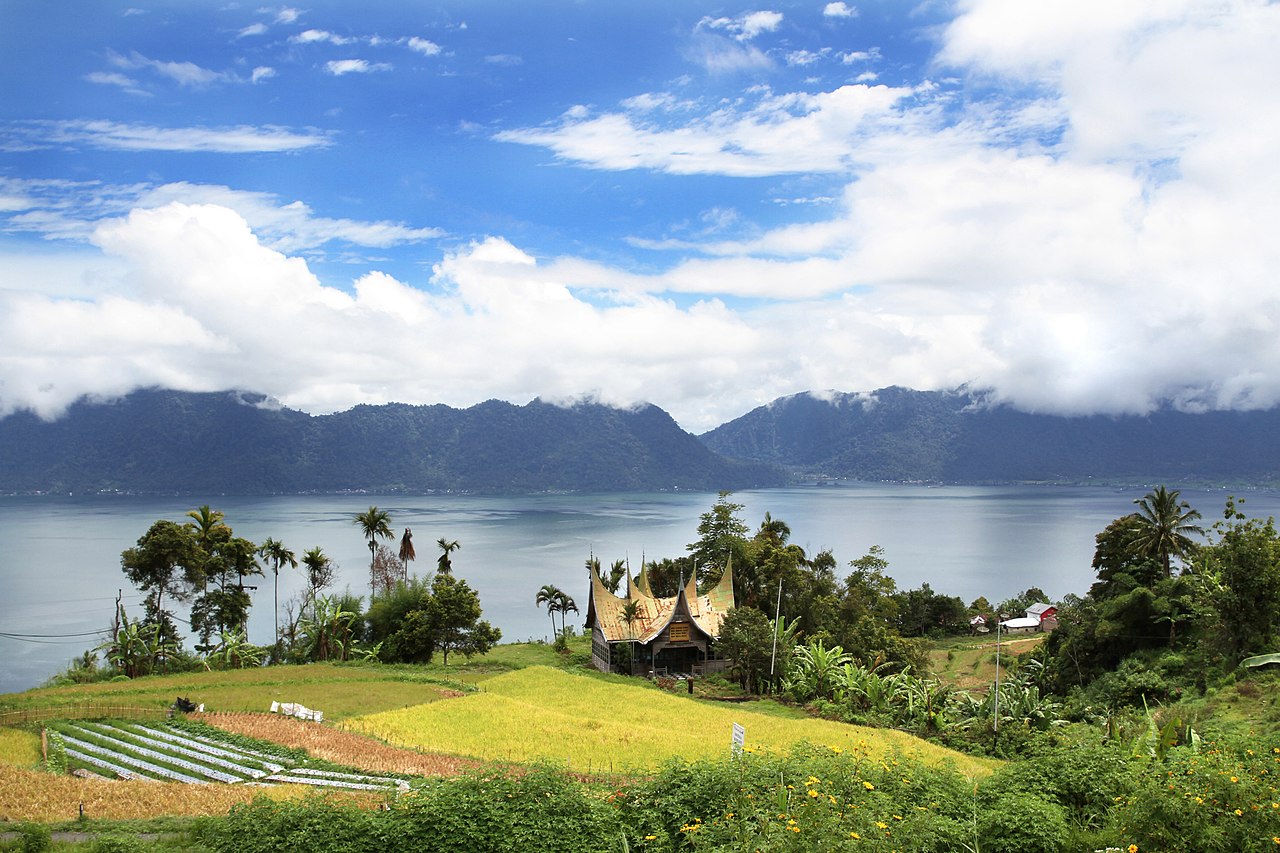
{"points": [[14, 636]]}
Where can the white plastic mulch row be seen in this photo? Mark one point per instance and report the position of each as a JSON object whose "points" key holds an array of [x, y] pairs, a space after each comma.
{"points": [[106, 765], [173, 744], [266, 759], [113, 735], [137, 763], [353, 777], [206, 746], [331, 783]]}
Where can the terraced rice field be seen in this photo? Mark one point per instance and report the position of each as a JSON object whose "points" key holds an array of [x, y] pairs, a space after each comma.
{"points": [[157, 752]]}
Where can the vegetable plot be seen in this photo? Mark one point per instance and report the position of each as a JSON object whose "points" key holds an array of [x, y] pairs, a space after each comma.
{"points": [[158, 752]]}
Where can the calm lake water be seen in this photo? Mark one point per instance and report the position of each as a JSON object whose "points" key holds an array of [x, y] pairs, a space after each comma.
{"points": [[60, 557]]}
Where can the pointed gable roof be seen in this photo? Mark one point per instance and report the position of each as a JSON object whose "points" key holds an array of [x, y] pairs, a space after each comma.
{"points": [[706, 612]]}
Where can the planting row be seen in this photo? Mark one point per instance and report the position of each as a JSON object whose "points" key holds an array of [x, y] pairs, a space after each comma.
{"points": [[159, 752]]}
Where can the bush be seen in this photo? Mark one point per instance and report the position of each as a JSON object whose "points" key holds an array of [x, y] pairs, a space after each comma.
{"points": [[1022, 822], [34, 838], [116, 844]]}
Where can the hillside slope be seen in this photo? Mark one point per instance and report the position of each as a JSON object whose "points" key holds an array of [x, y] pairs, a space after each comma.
{"points": [[955, 436]]}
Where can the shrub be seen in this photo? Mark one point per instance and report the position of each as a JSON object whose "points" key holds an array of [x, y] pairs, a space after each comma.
{"points": [[1022, 822]]}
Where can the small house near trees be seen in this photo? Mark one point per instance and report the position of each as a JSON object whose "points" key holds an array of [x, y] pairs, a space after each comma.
{"points": [[663, 636], [1040, 617]]}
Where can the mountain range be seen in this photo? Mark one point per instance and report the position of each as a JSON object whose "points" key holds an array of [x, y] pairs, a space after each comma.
{"points": [[171, 442]]}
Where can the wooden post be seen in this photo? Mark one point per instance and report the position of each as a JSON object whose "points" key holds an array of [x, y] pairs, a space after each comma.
{"points": [[44, 744]]}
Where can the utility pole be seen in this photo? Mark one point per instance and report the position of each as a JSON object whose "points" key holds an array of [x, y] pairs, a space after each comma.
{"points": [[777, 615]]}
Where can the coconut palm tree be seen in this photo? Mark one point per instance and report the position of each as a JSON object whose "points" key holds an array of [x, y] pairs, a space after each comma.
{"points": [[443, 565], [1165, 527], [375, 524], [278, 555], [550, 596], [406, 552]]}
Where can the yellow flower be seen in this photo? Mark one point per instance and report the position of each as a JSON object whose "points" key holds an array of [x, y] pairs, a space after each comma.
{"points": [[814, 793], [1239, 813], [1133, 848], [650, 838], [868, 786], [856, 835], [794, 828], [882, 825]]}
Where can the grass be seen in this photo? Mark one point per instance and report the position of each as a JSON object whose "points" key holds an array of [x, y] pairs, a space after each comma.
{"points": [[19, 748], [968, 663], [595, 725]]}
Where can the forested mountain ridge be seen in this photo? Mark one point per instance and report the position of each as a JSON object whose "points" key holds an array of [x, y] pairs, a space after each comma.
{"points": [[174, 442], [956, 436]]}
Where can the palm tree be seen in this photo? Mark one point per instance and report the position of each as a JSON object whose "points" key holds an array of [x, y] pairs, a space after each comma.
{"points": [[406, 552], [549, 595], [319, 571], [375, 524], [279, 555], [631, 615], [446, 548], [1165, 527], [207, 524], [564, 604]]}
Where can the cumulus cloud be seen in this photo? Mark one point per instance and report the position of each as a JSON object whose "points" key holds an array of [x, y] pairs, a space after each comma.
{"points": [[744, 27], [839, 10]]}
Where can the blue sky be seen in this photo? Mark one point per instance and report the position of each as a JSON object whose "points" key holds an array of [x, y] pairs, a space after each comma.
{"points": [[702, 206]]}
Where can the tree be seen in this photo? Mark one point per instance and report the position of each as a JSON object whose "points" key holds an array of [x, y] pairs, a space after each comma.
{"points": [[721, 534], [1244, 566], [1165, 527], [385, 572], [328, 630], [374, 524], [564, 604], [407, 554], [631, 615], [447, 547], [228, 561], [550, 596], [278, 555], [746, 637], [454, 619], [166, 561], [320, 571]]}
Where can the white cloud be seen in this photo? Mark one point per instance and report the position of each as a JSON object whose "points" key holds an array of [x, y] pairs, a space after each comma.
{"points": [[777, 134], [320, 36], [744, 27], [263, 72], [423, 46], [70, 211], [183, 73], [339, 67], [114, 78], [839, 9], [252, 30], [287, 15], [508, 59], [139, 137]]}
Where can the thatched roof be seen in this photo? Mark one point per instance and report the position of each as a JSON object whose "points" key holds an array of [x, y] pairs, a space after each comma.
{"points": [[706, 612]]}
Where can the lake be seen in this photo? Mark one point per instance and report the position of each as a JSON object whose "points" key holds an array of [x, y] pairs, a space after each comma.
{"points": [[60, 557]]}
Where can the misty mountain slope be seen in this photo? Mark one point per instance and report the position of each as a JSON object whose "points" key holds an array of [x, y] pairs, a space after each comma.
{"points": [[953, 436], [175, 442]]}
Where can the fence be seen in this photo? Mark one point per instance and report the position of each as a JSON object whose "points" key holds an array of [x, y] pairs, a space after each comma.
{"points": [[81, 712]]}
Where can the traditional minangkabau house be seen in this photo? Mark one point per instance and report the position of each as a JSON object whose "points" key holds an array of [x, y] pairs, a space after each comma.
{"points": [[667, 635]]}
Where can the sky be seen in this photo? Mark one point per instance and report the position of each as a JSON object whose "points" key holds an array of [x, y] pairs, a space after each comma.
{"points": [[1069, 205]]}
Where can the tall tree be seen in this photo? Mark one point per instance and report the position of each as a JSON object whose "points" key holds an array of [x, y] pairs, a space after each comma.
{"points": [[721, 534], [549, 596], [564, 604], [407, 554], [166, 561], [447, 547], [278, 555], [374, 524], [454, 618], [631, 615], [319, 571], [1166, 527]]}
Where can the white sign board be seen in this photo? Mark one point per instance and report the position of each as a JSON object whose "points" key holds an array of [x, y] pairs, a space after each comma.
{"points": [[739, 738]]}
